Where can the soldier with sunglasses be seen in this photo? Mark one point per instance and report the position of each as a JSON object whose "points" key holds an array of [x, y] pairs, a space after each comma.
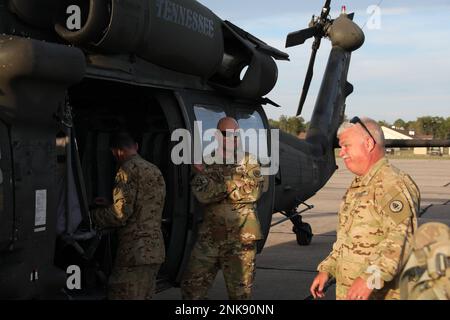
{"points": [[377, 219], [228, 186]]}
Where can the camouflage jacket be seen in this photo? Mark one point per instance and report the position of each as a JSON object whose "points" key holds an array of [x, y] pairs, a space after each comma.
{"points": [[376, 219], [229, 193], [138, 201]]}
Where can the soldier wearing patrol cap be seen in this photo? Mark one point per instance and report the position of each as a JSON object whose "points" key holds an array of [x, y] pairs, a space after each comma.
{"points": [[377, 219], [138, 202], [227, 237]]}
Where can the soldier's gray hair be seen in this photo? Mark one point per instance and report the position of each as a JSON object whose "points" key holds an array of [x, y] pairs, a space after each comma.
{"points": [[372, 126]]}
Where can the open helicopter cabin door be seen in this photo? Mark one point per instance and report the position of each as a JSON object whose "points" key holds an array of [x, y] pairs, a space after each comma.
{"points": [[100, 109]]}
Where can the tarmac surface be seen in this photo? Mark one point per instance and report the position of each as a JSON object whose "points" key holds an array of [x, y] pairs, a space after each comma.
{"points": [[285, 270]]}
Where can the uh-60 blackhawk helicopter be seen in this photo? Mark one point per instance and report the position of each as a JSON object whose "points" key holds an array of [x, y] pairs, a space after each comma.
{"points": [[153, 66]]}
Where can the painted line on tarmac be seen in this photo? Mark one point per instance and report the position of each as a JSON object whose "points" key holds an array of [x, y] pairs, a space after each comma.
{"points": [[425, 210]]}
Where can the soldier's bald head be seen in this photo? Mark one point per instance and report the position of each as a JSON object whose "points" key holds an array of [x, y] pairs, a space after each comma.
{"points": [[227, 123]]}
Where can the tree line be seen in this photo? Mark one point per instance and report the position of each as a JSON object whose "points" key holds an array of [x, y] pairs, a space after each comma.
{"points": [[438, 127]]}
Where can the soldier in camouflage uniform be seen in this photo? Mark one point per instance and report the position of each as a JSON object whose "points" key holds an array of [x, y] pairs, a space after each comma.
{"points": [[227, 237], [426, 274], [377, 219], [138, 201]]}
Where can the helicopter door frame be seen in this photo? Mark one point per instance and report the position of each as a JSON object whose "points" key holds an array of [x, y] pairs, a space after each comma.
{"points": [[191, 99], [178, 177], [6, 187], [188, 100]]}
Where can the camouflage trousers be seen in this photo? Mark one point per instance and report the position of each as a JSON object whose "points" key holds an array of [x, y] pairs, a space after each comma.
{"points": [[237, 262], [133, 283]]}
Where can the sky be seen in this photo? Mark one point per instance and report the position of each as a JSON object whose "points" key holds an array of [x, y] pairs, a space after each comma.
{"points": [[402, 70]]}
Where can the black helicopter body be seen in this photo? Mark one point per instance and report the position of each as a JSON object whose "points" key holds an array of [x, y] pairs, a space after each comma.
{"points": [[153, 66]]}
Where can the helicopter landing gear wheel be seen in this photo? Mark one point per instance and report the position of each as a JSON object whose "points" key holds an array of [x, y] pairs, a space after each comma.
{"points": [[304, 234], [302, 230]]}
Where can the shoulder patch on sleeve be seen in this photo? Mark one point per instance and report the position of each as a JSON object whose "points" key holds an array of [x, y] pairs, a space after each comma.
{"points": [[393, 201], [397, 208]]}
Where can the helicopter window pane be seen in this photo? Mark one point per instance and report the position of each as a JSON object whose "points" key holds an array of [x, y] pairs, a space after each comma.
{"points": [[209, 116], [255, 140]]}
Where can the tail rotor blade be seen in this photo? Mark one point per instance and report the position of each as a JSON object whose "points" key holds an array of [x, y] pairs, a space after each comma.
{"points": [[299, 37], [309, 76], [327, 5], [325, 10], [316, 30]]}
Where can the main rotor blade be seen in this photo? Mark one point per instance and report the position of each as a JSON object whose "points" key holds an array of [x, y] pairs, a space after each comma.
{"points": [[309, 76], [299, 37]]}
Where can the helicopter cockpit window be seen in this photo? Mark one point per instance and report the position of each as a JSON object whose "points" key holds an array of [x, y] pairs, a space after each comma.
{"points": [[208, 117], [255, 140]]}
